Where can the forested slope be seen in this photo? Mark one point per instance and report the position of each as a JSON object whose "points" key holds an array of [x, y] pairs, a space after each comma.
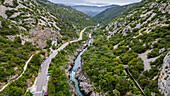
{"points": [[109, 14], [28, 27], [38, 16], [138, 39]]}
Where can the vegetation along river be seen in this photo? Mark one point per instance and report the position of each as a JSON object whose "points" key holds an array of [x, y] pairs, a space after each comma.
{"points": [[77, 64]]}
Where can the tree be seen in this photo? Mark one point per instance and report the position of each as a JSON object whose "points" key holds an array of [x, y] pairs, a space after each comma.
{"points": [[51, 87], [49, 43], [116, 93], [29, 93], [53, 47], [42, 52], [15, 91], [36, 60], [56, 73], [147, 92], [18, 40]]}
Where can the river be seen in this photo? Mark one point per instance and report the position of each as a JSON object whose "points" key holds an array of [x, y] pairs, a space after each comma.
{"points": [[77, 64]]}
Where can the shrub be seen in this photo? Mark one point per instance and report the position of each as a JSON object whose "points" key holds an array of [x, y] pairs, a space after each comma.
{"points": [[132, 25], [18, 40], [42, 52], [9, 13], [139, 49], [166, 67], [136, 30], [153, 53], [53, 47]]}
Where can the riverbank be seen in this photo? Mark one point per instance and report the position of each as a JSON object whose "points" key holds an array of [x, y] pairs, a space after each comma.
{"points": [[64, 61], [71, 64], [82, 85]]}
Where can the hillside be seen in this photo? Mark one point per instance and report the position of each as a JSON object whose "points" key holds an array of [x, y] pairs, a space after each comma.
{"points": [[92, 10], [109, 14], [137, 40], [35, 16], [30, 27]]}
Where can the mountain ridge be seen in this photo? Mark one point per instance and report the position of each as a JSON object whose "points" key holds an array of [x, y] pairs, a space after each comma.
{"points": [[92, 10], [110, 13]]}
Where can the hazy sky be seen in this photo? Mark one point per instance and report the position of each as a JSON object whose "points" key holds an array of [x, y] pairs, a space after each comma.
{"points": [[94, 2]]}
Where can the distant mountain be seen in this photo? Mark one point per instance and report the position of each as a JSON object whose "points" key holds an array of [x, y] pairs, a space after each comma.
{"points": [[92, 10], [109, 14]]}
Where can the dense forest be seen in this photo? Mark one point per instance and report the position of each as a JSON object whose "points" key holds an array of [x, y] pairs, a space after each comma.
{"points": [[122, 43], [109, 14], [105, 67]]}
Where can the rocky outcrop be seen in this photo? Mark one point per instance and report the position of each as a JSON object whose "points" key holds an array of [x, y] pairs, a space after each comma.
{"points": [[40, 36], [84, 83], [3, 11], [70, 65], [147, 20], [10, 2], [164, 78], [164, 8]]}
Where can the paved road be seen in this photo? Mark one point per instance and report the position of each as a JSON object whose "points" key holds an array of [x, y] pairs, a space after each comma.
{"points": [[41, 81]]}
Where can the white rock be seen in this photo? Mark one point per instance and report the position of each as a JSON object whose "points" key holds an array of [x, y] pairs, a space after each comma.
{"points": [[16, 14], [144, 15], [0, 24], [161, 50], [164, 78], [10, 2], [3, 11]]}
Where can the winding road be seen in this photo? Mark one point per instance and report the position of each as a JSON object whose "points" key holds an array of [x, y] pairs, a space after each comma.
{"points": [[40, 83]]}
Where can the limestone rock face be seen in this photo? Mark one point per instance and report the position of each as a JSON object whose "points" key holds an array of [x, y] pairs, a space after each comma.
{"points": [[10, 2], [84, 84], [40, 36], [164, 78]]}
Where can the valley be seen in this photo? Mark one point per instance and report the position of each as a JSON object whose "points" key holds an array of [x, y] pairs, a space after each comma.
{"points": [[50, 49], [92, 10]]}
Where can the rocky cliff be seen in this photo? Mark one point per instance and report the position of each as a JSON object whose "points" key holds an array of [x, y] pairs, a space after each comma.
{"points": [[84, 83], [164, 78], [70, 65]]}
